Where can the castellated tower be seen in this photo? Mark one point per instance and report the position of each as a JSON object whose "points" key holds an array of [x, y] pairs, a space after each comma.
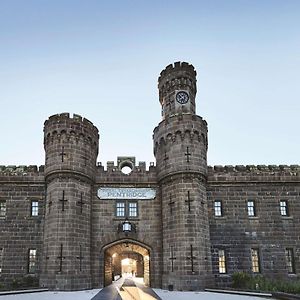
{"points": [[71, 146], [180, 148]]}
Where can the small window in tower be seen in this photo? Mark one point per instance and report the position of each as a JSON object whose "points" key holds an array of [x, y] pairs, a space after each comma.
{"points": [[218, 208], [120, 209], [222, 261], [1, 259], [290, 261], [132, 209], [255, 260], [251, 208], [284, 208], [2, 209], [34, 208], [32, 261]]}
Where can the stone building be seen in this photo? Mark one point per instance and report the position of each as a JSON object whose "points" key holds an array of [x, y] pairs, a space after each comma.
{"points": [[180, 224]]}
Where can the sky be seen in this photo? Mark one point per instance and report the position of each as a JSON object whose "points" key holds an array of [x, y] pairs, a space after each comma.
{"points": [[101, 59]]}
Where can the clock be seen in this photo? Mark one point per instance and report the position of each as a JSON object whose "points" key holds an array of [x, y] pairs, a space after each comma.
{"points": [[182, 97]]}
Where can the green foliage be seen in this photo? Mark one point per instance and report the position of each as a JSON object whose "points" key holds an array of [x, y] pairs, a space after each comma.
{"points": [[24, 282], [259, 282]]}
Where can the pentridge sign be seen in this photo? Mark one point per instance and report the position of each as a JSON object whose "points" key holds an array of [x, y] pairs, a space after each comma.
{"points": [[126, 193]]}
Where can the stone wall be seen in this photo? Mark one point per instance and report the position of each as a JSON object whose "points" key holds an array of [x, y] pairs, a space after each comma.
{"points": [[20, 231], [268, 231]]}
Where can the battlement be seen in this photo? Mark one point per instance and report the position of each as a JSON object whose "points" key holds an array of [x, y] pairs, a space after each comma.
{"points": [[255, 169], [176, 67], [20, 170], [115, 168], [57, 118]]}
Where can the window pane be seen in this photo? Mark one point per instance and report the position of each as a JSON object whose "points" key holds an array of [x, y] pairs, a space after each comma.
{"points": [[251, 208], [289, 255], [1, 259], [255, 260], [222, 262], [283, 208], [132, 209], [34, 208], [2, 209], [218, 208], [32, 261], [120, 207]]}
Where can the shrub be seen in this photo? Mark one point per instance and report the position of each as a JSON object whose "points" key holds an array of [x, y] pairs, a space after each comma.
{"points": [[259, 282]]}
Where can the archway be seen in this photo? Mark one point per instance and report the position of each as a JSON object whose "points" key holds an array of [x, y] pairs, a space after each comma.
{"points": [[126, 258]]}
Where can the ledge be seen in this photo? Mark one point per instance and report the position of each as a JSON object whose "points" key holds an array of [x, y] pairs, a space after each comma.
{"points": [[256, 294], [23, 292]]}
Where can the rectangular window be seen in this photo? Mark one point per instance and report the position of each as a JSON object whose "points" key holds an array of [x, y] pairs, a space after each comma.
{"points": [[2, 209], [283, 208], [1, 259], [34, 208], [289, 255], [32, 261], [222, 261], [251, 208], [132, 209], [120, 209], [218, 208], [255, 261]]}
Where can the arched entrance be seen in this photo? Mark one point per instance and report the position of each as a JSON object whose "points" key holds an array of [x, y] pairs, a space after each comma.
{"points": [[126, 258]]}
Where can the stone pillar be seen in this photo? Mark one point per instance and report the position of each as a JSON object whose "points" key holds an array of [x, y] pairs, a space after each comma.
{"points": [[71, 146], [180, 148]]}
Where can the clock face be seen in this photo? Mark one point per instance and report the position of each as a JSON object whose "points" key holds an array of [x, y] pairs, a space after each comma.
{"points": [[182, 97]]}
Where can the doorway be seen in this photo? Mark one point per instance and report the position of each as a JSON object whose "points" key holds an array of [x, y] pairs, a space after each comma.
{"points": [[126, 258]]}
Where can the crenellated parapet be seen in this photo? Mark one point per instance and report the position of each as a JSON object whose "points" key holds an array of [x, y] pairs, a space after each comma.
{"points": [[179, 74], [20, 170], [114, 173], [73, 129], [190, 128], [254, 173]]}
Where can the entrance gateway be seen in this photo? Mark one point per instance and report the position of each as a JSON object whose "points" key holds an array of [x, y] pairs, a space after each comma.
{"points": [[126, 257]]}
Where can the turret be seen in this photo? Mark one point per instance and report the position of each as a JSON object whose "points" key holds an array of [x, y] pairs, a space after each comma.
{"points": [[180, 148], [71, 146]]}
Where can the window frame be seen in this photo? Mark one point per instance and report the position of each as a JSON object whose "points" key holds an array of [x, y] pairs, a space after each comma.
{"points": [[290, 260], [218, 209], [3, 212], [136, 209], [126, 204], [222, 263], [32, 261], [116, 208], [34, 210], [284, 209], [1, 260], [251, 209], [255, 261]]}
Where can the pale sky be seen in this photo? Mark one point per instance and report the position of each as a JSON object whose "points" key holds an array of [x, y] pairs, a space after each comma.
{"points": [[101, 59]]}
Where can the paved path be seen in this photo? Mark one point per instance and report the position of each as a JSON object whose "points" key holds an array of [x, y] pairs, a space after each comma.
{"points": [[126, 289]]}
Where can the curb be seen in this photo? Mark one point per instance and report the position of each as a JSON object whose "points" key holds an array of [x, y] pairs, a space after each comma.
{"points": [[5, 293], [242, 293]]}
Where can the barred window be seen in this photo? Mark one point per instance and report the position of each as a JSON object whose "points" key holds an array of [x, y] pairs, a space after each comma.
{"points": [[1, 259], [32, 261], [251, 208], [34, 208], [133, 209], [2, 209], [222, 261], [255, 260], [218, 208], [283, 208], [120, 209], [289, 255]]}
